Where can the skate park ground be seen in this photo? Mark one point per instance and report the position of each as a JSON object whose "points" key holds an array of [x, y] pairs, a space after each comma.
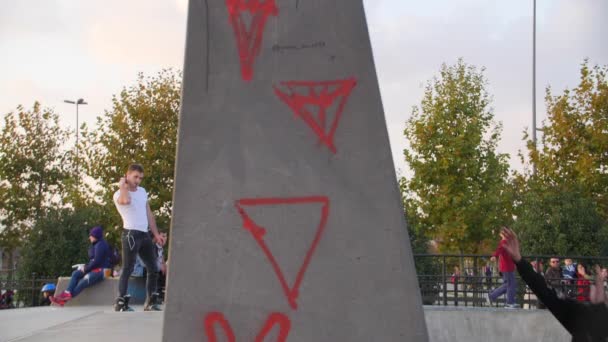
{"points": [[102, 324]]}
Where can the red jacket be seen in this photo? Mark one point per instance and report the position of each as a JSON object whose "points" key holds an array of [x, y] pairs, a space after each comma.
{"points": [[583, 288], [505, 262]]}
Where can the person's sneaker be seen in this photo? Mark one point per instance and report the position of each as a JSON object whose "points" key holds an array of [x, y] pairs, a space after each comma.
{"points": [[56, 300], [64, 296], [122, 304], [151, 303], [512, 306]]}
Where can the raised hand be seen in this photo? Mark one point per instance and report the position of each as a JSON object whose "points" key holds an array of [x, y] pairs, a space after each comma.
{"points": [[512, 244], [122, 183]]}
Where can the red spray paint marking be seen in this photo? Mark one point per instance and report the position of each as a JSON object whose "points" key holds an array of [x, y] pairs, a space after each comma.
{"points": [[210, 320], [318, 94], [273, 319], [249, 40], [258, 233]]}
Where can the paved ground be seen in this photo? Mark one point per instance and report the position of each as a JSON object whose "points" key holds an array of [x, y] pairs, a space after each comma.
{"points": [[101, 324], [85, 323]]}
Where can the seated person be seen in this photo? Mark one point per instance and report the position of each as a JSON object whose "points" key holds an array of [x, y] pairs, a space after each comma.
{"points": [[91, 273]]}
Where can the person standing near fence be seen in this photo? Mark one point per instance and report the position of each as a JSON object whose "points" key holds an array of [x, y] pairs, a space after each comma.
{"points": [[507, 267], [584, 321], [131, 201]]}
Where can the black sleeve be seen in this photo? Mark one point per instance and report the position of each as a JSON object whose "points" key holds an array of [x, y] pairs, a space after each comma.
{"points": [[562, 309]]}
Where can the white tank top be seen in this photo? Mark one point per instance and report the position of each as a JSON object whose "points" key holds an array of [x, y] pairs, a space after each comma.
{"points": [[134, 215]]}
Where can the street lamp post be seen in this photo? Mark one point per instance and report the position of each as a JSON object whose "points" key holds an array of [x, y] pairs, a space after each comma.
{"points": [[534, 80], [77, 103]]}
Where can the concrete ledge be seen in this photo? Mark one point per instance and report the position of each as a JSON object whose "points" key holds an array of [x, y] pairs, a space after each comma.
{"points": [[105, 292], [492, 324]]}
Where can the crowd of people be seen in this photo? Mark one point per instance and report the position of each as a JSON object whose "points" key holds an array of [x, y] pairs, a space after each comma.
{"points": [[568, 278], [573, 294], [585, 321]]}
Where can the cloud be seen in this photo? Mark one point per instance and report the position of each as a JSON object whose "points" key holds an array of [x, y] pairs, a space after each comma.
{"points": [[31, 17], [58, 48], [141, 33], [412, 40]]}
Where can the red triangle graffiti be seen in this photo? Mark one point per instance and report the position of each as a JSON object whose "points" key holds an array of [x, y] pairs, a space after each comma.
{"points": [[258, 233], [321, 95], [249, 40]]}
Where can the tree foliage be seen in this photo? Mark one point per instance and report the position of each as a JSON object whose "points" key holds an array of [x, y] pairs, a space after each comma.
{"points": [[575, 137], [32, 170], [58, 241], [563, 208], [557, 221], [459, 189]]}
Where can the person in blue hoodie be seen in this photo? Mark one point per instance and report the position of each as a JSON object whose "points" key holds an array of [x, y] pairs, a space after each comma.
{"points": [[91, 273]]}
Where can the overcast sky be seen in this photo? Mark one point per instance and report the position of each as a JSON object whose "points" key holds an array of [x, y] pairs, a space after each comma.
{"points": [[51, 50]]}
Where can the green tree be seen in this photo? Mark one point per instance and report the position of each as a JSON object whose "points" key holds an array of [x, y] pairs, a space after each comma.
{"points": [[574, 142], [556, 220], [459, 190], [141, 127], [32, 169], [563, 208], [58, 242]]}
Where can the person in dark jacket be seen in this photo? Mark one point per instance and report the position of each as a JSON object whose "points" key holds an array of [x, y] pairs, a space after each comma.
{"points": [[91, 273], [584, 321]]}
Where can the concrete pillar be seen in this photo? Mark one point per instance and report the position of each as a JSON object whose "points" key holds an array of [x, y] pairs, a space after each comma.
{"points": [[287, 219]]}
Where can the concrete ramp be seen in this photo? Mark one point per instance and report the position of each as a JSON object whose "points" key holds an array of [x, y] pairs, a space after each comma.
{"points": [[287, 220], [105, 292]]}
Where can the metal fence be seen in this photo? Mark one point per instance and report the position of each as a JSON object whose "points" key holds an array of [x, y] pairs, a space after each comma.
{"points": [[17, 292], [439, 285]]}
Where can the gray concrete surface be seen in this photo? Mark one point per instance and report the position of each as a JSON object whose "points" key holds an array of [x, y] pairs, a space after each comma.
{"points": [[105, 292], [100, 324], [447, 324], [250, 139], [76, 324]]}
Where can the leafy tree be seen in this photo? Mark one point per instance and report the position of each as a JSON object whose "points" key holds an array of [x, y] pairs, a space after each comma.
{"points": [[574, 149], [141, 127], [31, 170], [556, 220], [459, 191], [563, 208], [58, 242]]}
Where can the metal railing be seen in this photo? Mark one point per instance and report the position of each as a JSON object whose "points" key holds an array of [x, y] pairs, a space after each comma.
{"points": [[439, 286], [17, 292]]}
